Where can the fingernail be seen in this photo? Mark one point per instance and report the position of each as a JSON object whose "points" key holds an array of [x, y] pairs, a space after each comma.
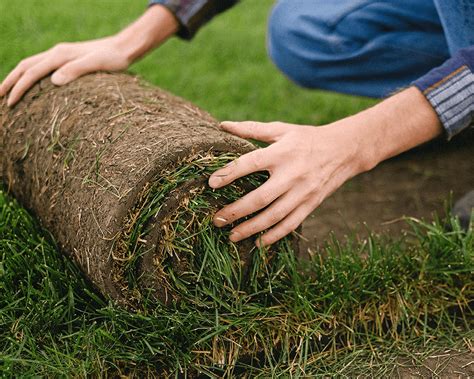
{"points": [[220, 221], [10, 102], [235, 236]]}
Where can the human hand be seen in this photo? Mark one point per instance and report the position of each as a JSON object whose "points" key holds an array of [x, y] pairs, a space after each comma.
{"points": [[306, 164], [69, 61]]}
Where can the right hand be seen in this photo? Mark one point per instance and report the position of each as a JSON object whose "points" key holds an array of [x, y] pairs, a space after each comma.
{"points": [[68, 61], [72, 60]]}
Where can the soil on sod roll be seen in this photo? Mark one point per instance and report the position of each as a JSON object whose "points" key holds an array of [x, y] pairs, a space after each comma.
{"points": [[116, 170]]}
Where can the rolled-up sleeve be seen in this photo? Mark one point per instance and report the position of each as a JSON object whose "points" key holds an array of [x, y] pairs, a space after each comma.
{"points": [[450, 90], [192, 14]]}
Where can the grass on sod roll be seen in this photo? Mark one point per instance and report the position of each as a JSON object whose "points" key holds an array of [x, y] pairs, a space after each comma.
{"points": [[188, 235], [286, 317]]}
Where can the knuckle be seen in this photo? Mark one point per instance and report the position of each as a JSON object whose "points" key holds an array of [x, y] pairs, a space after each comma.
{"points": [[277, 215], [258, 159], [28, 76], [262, 198], [23, 64], [236, 163], [246, 230], [252, 128], [61, 48]]}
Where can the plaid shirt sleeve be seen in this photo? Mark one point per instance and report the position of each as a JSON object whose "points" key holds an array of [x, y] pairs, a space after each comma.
{"points": [[192, 14], [450, 90]]}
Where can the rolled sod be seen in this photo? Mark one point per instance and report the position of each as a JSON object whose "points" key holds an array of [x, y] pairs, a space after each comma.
{"points": [[117, 171]]}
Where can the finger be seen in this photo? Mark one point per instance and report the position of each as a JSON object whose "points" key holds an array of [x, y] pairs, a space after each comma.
{"points": [[285, 227], [73, 70], [252, 202], [31, 76], [16, 73], [267, 218], [257, 160], [266, 132]]}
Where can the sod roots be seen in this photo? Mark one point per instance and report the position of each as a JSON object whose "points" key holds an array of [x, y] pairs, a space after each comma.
{"points": [[116, 170]]}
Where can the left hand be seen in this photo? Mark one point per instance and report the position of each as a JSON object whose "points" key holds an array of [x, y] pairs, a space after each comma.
{"points": [[306, 164]]}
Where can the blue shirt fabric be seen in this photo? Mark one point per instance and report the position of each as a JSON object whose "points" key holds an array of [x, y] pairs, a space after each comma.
{"points": [[457, 19], [449, 88]]}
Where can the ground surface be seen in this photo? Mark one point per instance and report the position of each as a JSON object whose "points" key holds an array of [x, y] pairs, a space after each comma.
{"points": [[225, 70], [445, 364], [418, 184]]}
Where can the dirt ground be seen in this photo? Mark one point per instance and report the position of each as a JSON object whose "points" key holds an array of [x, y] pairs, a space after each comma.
{"points": [[415, 184], [445, 364]]}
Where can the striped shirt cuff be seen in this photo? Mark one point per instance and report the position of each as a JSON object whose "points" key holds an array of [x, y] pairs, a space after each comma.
{"points": [[450, 90]]}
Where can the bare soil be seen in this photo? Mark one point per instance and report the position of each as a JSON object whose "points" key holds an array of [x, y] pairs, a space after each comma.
{"points": [[417, 184], [444, 364]]}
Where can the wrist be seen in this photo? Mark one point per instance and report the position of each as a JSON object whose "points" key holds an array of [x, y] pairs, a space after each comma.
{"points": [[153, 28], [394, 126]]}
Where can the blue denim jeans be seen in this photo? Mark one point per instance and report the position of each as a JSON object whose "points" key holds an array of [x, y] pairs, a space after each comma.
{"points": [[366, 47]]}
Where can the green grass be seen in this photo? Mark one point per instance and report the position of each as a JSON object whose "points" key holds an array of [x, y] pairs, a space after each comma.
{"points": [[337, 316], [313, 319]]}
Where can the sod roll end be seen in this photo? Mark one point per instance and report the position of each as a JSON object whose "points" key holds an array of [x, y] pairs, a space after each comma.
{"points": [[117, 171]]}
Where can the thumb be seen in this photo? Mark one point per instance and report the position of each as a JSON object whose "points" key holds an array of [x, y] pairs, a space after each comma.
{"points": [[73, 70]]}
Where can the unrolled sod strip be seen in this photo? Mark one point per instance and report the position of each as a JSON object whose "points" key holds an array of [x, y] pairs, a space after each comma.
{"points": [[90, 159]]}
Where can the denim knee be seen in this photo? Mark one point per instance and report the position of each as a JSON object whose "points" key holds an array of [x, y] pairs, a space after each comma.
{"points": [[362, 47], [284, 39]]}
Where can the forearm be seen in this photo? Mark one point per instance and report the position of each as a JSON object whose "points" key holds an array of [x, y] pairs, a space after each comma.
{"points": [[440, 102], [153, 28], [393, 126]]}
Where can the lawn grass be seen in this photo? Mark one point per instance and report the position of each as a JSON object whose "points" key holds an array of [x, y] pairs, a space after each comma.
{"points": [[52, 323], [342, 315]]}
